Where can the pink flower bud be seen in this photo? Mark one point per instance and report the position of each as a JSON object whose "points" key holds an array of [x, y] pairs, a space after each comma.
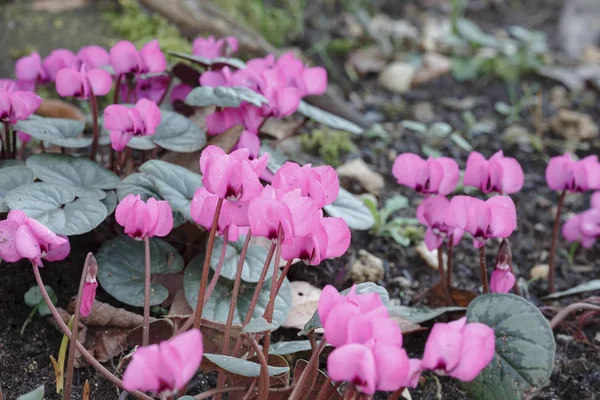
{"points": [[31, 69], [89, 287], [94, 56], [210, 48], [126, 59]]}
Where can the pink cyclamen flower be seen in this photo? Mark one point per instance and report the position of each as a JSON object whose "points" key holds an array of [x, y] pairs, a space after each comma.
{"points": [[211, 48], [432, 176], [494, 218], [233, 216], [125, 122], [583, 228], [89, 289], [151, 88], [249, 140], [24, 137], [502, 278], [59, 59], [167, 367], [126, 59], [498, 174], [17, 106], [330, 239], [232, 176], [144, 219], [432, 213], [31, 69], [94, 56], [83, 83], [24, 237], [180, 92], [459, 349], [595, 201], [564, 173], [320, 183], [308, 81]]}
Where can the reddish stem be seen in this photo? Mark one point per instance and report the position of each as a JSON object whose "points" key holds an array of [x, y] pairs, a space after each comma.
{"points": [[286, 269], [94, 107], [482, 266], [450, 266], [445, 288], [551, 259], [162, 98], [217, 273], [117, 89], [307, 374], [147, 272], [4, 141], [397, 394], [263, 386], [273, 294]]}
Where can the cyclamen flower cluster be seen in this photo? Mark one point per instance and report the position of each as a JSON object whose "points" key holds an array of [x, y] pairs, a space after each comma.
{"points": [[369, 351], [288, 210]]}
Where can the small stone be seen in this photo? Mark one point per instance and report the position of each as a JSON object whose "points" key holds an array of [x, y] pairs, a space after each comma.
{"points": [[517, 134], [597, 337], [430, 257], [434, 66], [402, 282], [423, 112], [358, 171], [559, 97], [305, 301], [539, 271], [367, 268], [591, 55], [560, 337], [573, 125], [397, 76], [367, 60]]}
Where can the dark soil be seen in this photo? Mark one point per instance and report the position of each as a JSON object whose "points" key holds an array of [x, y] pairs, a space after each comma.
{"points": [[24, 360]]}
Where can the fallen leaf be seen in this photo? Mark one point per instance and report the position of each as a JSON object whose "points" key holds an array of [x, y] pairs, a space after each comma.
{"points": [[160, 330], [305, 301], [435, 296], [103, 314], [357, 171], [54, 108], [105, 343], [227, 140], [406, 326], [279, 128], [430, 257], [180, 306]]}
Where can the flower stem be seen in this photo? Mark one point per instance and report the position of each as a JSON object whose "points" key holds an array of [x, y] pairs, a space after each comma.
{"points": [[94, 106], [3, 141], [286, 269], [273, 294], [65, 329], [449, 266], [564, 313], [255, 295], [482, 266], [117, 89], [445, 288], [551, 258], [71, 359], [215, 278], [207, 257], [162, 98], [263, 385], [306, 380], [147, 274], [397, 394]]}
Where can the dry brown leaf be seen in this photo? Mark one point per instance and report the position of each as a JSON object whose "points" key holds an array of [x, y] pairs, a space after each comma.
{"points": [[105, 343], [279, 128], [54, 108], [305, 300], [227, 139], [103, 315], [435, 297], [160, 330], [180, 306]]}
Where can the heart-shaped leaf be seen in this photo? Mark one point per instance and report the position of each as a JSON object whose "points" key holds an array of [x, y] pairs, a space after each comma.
{"points": [[81, 174], [110, 202], [242, 367], [33, 298], [315, 321], [205, 62], [57, 131], [525, 348], [253, 263], [285, 348], [421, 314], [326, 118], [121, 266], [222, 96], [12, 178], [352, 210], [37, 394], [57, 207], [257, 325], [217, 307], [175, 184], [178, 133]]}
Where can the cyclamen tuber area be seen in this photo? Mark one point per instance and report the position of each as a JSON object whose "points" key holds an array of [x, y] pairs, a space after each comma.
{"points": [[303, 200]]}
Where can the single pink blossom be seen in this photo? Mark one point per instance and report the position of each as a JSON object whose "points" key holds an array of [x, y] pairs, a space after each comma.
{"points": [[432, 176], [232, 176], [248, 116], [15, 105], [24, 237], [23, 137], [152, 88], [144, 219], [498, 174], [459, 349], [583, 228], [59, 59], [330, 239], [126, 59], [31, 69], [282, 100], [502, 280], [89, 289], [82, 83], [165, 368], [250, 141], [432, 213], [233, 215], [320, 183], [210, 48], [494, 218], [125, 122], [564, 173], [308, 81], [94, 56]]}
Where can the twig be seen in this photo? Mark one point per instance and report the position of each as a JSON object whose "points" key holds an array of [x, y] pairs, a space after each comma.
{"points": [[564, 313], [450, 266]]}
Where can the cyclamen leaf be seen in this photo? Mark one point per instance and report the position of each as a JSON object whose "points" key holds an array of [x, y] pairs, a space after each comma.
{"points": [[221, 96], [257, 325], [205, 62], [525, 348], [356, 214], [33, 297], [12, 178], [326, 118], [242, 367], [253, 263], [421, 314], [37, 394], [57, 131], [285, 348], [178, 133], [584, 287]]}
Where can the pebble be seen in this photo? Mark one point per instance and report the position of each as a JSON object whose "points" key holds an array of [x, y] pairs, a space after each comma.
{"points": [[367, 268], [540, 271], [397, 76], [358, 171]]}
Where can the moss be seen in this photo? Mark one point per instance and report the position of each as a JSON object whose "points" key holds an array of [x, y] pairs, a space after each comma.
{"points": [[331, 145]]}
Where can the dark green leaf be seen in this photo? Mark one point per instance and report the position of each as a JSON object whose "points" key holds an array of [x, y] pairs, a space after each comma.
{"points": [[12, 178], [352, 210], [205, 62], [328, 119], [33, 297], [121, 266], [57, 131], [222, 96], [421, 314], [110, 202], [253, 263], [242, 367], [525, 348], [178, 133], [257, 325], [285, 348]]}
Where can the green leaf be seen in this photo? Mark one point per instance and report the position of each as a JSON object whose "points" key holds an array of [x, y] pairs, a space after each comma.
{"points": [[37, 394], [33, 297], [468, 30], [328, 119], [414, 126], [12, 178], [57, 131], [175, 184], [81, 174], [178, 133], [371, 202], [205, 62], [461, 142], [257, 325], [525, 348], [110, 202], [396, 234], [285, 348], [253, 263], [222, 96], [242, 367], [440, 129], [352, 210], [368, 287], [392, 205], [217, 307], [56, 207], [186, 398], [584, 287], [421, 314], [121, 266]]}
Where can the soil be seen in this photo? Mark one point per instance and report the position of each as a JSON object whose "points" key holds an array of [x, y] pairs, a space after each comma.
{"points": [[24, 360]]}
